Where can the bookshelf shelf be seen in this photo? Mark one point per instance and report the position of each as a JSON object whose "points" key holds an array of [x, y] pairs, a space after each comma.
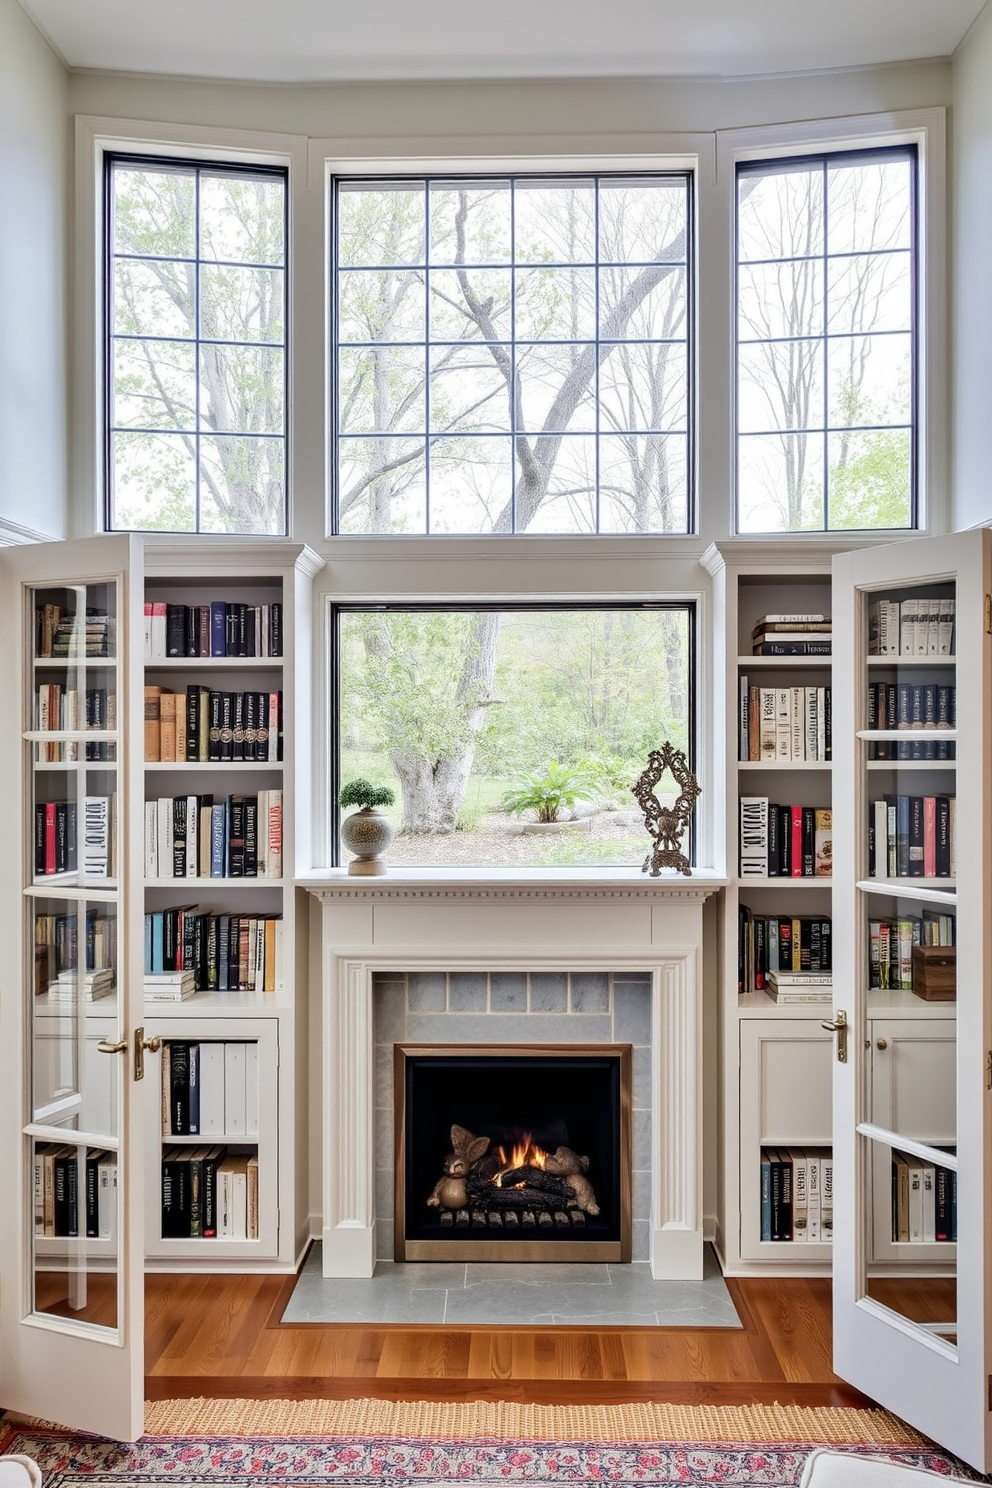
{"points": [[917, 765], [783, 881], [766, 766], [793, 663], [907, 736], [926, 890], [910, 661], [216, 883], [225, 767], [213, 664]]}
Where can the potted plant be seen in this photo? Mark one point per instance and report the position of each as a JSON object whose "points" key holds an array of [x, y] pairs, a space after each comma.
{"points": [[559, 786], [367, 832]]}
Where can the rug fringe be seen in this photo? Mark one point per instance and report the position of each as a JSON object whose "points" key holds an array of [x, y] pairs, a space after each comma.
{"points": [[513, 1421]]}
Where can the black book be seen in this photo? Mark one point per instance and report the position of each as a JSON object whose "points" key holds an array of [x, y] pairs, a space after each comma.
{"points": [[904, 705], [275, 629], [200, 951], [916, 836], [262, 726], [61, 836], [216, 714], [251, 725], [776, 1188], [61, 1164], [195, 1176], [39, 840], [785, 1202], [238, 726], [943, 835], [942, 1204], [175, 1197], [92, 1199], [231, 630], [208, 1192], [208, 963], [241, 611], [871, 843], [179, 827], [805, 944], [279, 706], [251, 836], [943, 707], [189, 630], [254, 649], [902, 836], [815, 946], [785, 945], [194, 1090], [175, 630], [236, 837], [192, 721], [930, 705], [179, 1088], [827, 724], [223, 951], [774, 842], [917, 706], [809, 841], [71, 837], [189, 941], [760, 951], [784, 814], [226, 726], [203, 630], [170, 927], [871, 720]]}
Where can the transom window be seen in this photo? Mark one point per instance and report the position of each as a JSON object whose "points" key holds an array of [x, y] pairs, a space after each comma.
{"points": [[826, 342], [512, 355], [196, 347]]}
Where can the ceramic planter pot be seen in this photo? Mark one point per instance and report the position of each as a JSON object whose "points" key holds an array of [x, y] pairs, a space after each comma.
{"points": [[367, 834]]}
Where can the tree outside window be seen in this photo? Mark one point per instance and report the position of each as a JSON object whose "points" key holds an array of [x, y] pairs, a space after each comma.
{"points": [[196, 348], [826, 343], [512, 356]]}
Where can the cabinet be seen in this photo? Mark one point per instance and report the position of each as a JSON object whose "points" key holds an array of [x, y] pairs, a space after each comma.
{"points": [[775, 1058]]}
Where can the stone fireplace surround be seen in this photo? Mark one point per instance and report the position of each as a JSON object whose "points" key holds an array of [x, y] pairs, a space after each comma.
{"points": [[397, 943]]}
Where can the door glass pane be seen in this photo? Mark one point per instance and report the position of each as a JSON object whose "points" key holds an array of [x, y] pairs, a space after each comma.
{"points": [[73, 952], [908, 934]]}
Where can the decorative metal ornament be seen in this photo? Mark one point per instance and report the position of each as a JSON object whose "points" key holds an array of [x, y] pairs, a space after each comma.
{"points": [[666, 824]]}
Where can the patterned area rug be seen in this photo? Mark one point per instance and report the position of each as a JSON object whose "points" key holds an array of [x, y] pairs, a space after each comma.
{"points": [[360, 1442]]}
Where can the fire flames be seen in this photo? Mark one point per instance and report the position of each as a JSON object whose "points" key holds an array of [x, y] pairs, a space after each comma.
{"points": [[523, 1154]]}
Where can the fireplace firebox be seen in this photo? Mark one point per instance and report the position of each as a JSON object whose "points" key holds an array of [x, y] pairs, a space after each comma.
{"points": [[516, 1152]]}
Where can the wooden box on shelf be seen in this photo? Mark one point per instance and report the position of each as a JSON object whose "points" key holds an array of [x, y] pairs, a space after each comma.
{"points": [[935, 973]]}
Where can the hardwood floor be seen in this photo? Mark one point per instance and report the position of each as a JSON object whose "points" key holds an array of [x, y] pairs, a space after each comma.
{"points": [[221, 1337]]}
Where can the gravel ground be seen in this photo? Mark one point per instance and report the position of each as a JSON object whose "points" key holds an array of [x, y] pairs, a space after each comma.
{"points": [[611, 837]]}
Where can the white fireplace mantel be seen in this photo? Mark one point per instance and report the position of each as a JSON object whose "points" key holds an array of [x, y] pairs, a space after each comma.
{"points": [[578, 920]]}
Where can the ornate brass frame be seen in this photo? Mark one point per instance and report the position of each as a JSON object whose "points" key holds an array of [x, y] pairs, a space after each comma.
{"points": [[667, 824]]}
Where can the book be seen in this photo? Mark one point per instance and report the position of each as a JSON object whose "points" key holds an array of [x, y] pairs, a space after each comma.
{"points": [[754, 837]]}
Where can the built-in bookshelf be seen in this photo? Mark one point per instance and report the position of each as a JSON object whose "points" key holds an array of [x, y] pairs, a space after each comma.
{"points": [[775, 762], [224, 653]]}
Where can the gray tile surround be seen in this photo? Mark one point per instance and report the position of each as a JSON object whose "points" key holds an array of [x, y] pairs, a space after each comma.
{"points": [[542, 1295], [512, 1007]]}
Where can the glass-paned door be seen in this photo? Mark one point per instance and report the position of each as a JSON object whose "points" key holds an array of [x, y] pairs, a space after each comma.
{"points": [[911, 1016], [72, 1316]]}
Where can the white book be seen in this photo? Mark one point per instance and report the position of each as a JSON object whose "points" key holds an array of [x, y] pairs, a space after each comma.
{"points": [[945, 628], [279, 961], [754, 836], [224, 1190], [239, 1203], [106, 1203], [929, 1203], [166, 828], [235, 1093], [158, 627], [212, 1071], [768, 726], [916, 1201], [827, 1197], [800, 1197], [783, 723], [907, 627], [889, 622], [259, 949], [821, 723], [933, 626], [812, 713], [151, 839], [881, 838], [96, 854], [743, 730], [953, 836], [274, 859], [262, 834], [251, 1090], [797, 712], [813, 1195]]}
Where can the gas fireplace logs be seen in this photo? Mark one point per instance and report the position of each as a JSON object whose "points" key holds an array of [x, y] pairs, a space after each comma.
{"points": [[525, 1188]]}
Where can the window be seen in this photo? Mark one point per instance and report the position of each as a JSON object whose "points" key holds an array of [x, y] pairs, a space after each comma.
{"points": [[826, 343], [512, 736], [512, 355], [196, 347]]}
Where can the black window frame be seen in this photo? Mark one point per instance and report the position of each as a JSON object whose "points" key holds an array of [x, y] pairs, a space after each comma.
{"points": [[426, 179], [910, 152], [688, 607], [196, 167]]}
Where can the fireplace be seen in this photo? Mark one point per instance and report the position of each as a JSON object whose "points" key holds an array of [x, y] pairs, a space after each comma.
{"points": [[513, 1153]]}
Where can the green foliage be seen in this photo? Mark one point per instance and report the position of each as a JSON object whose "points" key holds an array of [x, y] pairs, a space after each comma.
{"points": [[613, 776], [365, 795], [470, 817], [559, 785]]}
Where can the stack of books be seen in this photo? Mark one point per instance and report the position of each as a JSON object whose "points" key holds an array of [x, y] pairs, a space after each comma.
{"points": [[792, 635], [797, 1194], [88, 987], [169, 986], [800, 986], [924, 1201]]}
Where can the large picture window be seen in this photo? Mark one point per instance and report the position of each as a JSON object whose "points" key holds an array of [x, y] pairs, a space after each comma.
{"points": [[512, 736], [826, 343], [512, 355], [196, 347]]}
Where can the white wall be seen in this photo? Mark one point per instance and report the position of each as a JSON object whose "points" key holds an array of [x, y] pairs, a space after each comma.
{"points": [[34, 175], [971, 279]]}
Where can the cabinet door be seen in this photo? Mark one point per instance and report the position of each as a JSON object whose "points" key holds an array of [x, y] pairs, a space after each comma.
{"points": [[71, 1245], [911, 1101]]}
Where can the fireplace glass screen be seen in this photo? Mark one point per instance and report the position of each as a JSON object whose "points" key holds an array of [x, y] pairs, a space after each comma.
{"points": [[513, 1154]]}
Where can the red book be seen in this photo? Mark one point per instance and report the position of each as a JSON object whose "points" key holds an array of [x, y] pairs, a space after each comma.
{"points": [[796, 847], [50, 831], [929, 837]]}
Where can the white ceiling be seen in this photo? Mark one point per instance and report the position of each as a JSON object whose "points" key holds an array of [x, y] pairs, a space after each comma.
{"points": [[307, 41]]}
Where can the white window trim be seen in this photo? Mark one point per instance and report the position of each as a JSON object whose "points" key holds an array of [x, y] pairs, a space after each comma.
{"points": [[95, 138], [927, 129]]}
